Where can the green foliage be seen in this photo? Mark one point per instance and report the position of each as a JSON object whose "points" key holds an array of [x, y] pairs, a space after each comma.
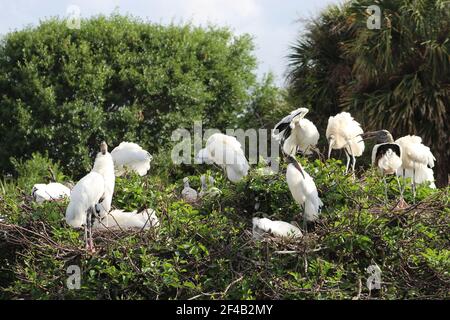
{"points": [[38, 169], [206, 250], [117, 78]]}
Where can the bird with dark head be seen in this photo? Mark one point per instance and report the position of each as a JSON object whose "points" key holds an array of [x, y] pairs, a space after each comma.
{"points": [[380, 136], [296, 133], [386, 155]]}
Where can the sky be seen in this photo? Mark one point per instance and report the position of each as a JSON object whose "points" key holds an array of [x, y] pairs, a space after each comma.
{"points": [[273, 24]]}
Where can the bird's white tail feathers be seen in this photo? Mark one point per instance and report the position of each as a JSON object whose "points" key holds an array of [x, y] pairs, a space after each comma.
{"points": [[277, 228], [235, 172], [76, 214], [122, 220], [313, 204], [414, 151], [423, 174], [312, 209], [130, 156]]}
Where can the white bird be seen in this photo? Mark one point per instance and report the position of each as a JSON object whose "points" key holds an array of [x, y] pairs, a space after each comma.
{"points": [[277, 228], [129, 156], [303, 190], [92, 195], [296, 133], [189, 194], [53, 191], [121, 220], [226, 152], [417, 161], [343, 133], [386, 154]]}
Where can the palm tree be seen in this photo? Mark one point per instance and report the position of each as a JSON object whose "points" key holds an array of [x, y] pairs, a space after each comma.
{"points": [[400, 74]]}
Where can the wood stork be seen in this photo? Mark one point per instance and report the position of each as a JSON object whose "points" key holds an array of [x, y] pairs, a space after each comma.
{"points": [[303, 190], [296, 133], [386, 155], [121, 220], [226, 152], [129, 156], [417, 161], [189, 195], [343, 133], [280, 229], [92, 195], [52, 191]]}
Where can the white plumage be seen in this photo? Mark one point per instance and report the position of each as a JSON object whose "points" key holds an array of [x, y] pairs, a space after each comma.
{"points": [[415, 151], [97, 185], [388, 163], [304, 137], [226, 152], [85, 195], [343, 132], [303, 190], [53, 191], [417, 159], [130, 156], [189, 195], [276, 228], [121, 220], [104, 165], [423, 174]]}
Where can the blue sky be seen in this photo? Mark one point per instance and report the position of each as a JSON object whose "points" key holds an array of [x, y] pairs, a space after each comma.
{"points": [[273, 23]]}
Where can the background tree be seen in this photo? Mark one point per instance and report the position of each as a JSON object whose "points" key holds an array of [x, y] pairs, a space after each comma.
{"points": [[62, 90], [396, 78]]}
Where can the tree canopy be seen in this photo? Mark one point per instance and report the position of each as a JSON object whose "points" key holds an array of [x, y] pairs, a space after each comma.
{"points": [[62, 90]]}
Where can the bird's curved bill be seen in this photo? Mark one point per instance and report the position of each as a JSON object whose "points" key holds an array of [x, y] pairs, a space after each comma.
{"points": [[367, 135]]}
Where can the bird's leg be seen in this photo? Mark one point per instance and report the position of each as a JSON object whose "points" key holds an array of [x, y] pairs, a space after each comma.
{"points": [[86, 234], [348, 161], [305, 224], [385, 188], [414, 182], [400, 189], [353, 158], [89, 222]]}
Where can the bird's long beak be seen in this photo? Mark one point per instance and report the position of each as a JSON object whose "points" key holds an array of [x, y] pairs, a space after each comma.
{"points": [[368, 135], [291, 159]]}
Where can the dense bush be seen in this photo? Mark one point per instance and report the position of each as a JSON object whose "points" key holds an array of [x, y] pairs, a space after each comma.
{"points": [[206, 250], [116, 78]]}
